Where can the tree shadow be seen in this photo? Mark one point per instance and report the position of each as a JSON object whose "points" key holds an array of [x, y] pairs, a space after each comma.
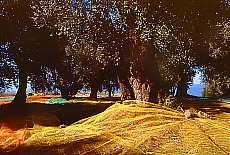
{"points": [[209, 106], [66, 113], [14, 121]]}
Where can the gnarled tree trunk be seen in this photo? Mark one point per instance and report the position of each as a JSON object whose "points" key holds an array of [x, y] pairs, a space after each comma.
{"points": [[68, 92], [148, 88], [20, 98], [141, 88], [125, 88], [142, 71]]}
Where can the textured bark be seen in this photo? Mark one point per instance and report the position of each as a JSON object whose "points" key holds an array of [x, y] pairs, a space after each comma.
{"points": [[141, 70], [144, 90], [145, 78], [141, 89], [126, 89], [20, 98]]}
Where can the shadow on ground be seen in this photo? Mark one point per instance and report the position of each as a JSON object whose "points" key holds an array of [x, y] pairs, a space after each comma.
{"points": [[210, 107], [67, 113], [15, 121]]}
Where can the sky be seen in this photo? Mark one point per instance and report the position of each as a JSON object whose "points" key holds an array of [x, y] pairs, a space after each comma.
{"points": [[13, 90], [197, 79], [195, 89]]}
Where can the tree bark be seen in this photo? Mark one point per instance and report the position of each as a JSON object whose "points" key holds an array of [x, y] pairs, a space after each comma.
{"points": [[64, 92], [145, 78], [182, 86], [182, 89], [146, 90], [125, 88], [20, 98], [109, 89], [94, 89], [141, 88], [68, 91], [140, 67]]}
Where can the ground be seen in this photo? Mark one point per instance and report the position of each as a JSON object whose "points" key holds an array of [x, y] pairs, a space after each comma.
{"points": [[113, 127]]}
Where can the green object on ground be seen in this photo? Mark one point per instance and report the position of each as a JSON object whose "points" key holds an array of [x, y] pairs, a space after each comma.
{"points": [[7, 98], [58, 100]]}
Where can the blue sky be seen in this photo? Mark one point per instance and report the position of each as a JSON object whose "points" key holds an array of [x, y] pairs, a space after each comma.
{"points": [[197, 87], [197, 79], [194, 90]]}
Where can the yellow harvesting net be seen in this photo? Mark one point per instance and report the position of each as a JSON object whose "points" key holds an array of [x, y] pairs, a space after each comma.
{"points": [[133, 128]]}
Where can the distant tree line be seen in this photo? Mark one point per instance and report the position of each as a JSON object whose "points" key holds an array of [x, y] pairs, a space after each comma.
{"points": [[146, 47]]}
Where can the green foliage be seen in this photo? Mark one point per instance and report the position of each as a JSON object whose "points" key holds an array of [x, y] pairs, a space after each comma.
{"points": [[218, 86], [217, 71], [93, 43], [25, 46], [8, 69], [179, 31], [90, 40]]}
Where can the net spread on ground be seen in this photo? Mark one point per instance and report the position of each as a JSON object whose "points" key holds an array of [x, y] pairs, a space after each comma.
{"points": [[130, 128]]}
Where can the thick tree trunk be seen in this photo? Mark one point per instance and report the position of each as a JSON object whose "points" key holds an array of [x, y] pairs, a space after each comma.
{"points": [[64, 92], [182, 86], [94, 89], [182, 89], [70, 91], [145, 78], [20, 98], [141, 88], [141, 70], [125, 88], [144, 90]]}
